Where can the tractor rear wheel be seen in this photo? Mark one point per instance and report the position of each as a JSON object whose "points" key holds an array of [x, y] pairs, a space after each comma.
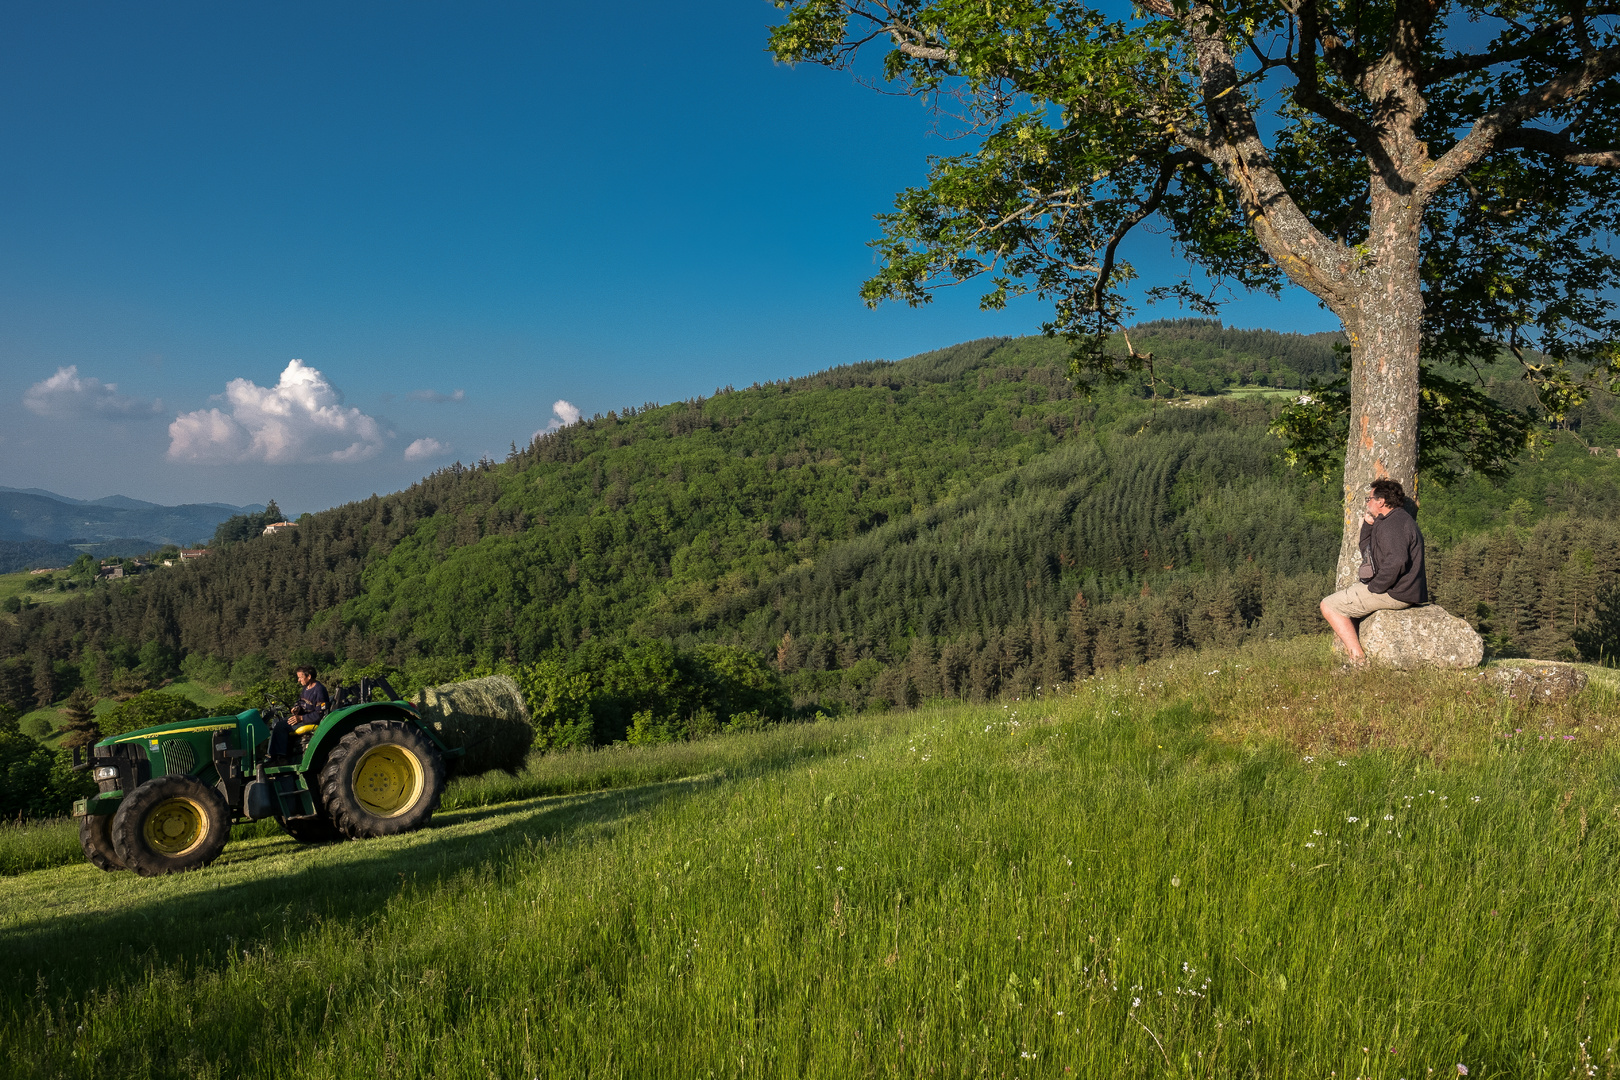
{"points": [[169, 824], [95, 837], [312, 830], [382, 779]]}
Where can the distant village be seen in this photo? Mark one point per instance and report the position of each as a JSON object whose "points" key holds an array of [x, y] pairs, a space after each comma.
{"points": [[113, 568]]}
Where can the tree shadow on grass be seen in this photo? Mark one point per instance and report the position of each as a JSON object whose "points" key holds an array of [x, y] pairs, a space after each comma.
{"points": [[117, 928]]}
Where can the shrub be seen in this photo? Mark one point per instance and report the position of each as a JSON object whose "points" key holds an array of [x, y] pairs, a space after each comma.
{"points": [[158, 662], [148, 708], [646, 692], [252, 669], [35, 781], [259, 695], [127, 682], [646, 731], [205, 670]]}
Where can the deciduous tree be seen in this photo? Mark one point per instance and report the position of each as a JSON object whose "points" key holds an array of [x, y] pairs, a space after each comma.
{"points": [[1441, 174]]}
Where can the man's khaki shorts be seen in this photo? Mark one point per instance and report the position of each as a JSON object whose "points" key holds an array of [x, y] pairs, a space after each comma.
{"points": [[1358, 602]]}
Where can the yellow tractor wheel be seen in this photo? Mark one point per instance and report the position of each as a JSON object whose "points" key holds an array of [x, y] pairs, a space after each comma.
{"points": [[382, 779], [170, 824]]}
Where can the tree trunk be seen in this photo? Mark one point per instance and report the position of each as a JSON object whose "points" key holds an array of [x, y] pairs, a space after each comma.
{"points": [[1385, 326]]}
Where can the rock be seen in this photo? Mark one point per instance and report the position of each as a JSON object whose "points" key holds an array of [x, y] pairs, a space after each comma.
{"points": [[1545, 681], [1427, 636]]}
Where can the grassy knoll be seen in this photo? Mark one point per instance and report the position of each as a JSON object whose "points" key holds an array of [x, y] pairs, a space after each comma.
{"points": [[1224, 865]]}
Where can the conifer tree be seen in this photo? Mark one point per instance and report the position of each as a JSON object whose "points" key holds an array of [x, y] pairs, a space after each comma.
{"points": [[1599, 639], [79, 721]]}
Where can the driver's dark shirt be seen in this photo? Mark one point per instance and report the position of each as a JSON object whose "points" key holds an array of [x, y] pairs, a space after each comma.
{"points": [[313, 703]]}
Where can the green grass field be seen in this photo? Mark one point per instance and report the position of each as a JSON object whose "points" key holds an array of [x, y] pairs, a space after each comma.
{"points": [[34, 586], [1223, 865]]}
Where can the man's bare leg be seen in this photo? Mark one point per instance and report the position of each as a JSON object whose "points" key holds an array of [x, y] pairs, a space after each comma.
{"points": [[1345, 627]]}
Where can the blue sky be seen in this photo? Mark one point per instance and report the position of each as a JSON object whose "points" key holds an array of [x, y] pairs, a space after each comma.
{"points": [[454, 216]]}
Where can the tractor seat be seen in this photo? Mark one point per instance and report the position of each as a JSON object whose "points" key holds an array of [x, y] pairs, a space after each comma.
{"points": [[305, 729]]}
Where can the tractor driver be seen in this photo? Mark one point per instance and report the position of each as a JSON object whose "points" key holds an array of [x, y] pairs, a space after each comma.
{"points": [[312, 702], [310, 708]]}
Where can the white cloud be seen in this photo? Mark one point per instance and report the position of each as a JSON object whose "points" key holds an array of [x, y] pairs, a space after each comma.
{"points": [[300, 419], [565, 413], [67, 396], [433, 397], [422, 449]]}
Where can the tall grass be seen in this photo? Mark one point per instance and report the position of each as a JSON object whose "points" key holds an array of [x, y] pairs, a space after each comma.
{"points": [[1155, 876], [38, 845]]}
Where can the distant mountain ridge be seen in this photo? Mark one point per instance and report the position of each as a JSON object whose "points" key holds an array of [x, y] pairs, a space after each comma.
{"points": [[124, 502], [42, 528]]}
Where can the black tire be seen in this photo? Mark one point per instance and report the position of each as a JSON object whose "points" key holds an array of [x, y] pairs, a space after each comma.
{"points": [[170, 824], [95, 837], [382, 779], [311, 830]]}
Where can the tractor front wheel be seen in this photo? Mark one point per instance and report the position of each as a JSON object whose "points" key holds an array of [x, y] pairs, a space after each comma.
{"points": [[95, 837], [382, 779], [169, 824]]}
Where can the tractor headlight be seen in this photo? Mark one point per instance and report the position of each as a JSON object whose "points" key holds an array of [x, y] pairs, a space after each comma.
{"points": [[106, 772]]}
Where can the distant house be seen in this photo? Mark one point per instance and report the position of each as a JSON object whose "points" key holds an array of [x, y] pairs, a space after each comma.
{"points": [[197, 553], [279, 526], [114, 571]]}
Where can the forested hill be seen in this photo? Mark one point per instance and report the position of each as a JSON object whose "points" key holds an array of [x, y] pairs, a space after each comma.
{"points": [[957, 522]]}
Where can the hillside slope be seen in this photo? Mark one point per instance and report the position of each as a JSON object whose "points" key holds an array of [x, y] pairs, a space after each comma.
{"points": [[880, 529]]}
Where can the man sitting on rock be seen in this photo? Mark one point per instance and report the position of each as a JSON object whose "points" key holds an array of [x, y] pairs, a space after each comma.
{"points": [[1391, 574]]}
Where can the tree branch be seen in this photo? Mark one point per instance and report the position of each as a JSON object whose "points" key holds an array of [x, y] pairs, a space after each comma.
{"points": [[1308, 257], [1557, 145], [1167, 171], [1340, 58], [1308, 88], [911, 42], [1533, 45], [1491, 127]]}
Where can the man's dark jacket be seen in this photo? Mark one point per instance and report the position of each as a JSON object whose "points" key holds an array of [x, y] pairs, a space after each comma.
{"points": [[313, 703], [1396, 547]]}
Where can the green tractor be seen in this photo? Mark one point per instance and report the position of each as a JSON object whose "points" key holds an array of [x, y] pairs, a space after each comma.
{"points": [[169, 794]]}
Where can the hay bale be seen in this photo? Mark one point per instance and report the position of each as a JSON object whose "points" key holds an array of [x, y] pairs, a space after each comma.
{"points": [[486, 718]]}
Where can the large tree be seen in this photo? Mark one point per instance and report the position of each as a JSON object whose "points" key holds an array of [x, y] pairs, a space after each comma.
{"points": [[1442, 176]]}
